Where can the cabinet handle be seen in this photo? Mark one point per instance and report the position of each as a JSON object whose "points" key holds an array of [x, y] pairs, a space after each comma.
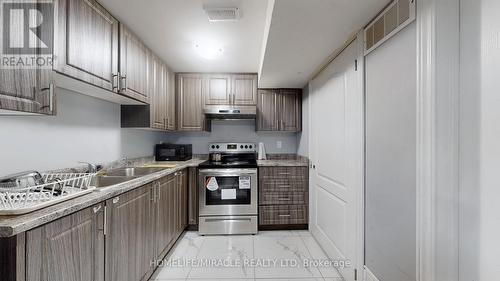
{"points": [[284, 186], [116, 200], [100, 209], [97, 209], [152, 194], [51, 97], [284, 174], [158, 196], [114, 81], [284, 216], [284, 199], [124, 80]]}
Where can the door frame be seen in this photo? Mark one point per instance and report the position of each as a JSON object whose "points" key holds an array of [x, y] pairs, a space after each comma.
{"points": [[438, 113], [358, 39]]}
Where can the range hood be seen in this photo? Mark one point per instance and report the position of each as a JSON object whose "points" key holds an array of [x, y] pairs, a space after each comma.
{"points": [[230, 112]]}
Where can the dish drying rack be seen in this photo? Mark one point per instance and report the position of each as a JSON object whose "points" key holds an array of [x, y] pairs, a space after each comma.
{"points": [[51, 189]]}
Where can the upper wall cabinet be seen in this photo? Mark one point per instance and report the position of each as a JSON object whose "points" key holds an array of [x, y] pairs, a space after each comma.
{"points": [[230, 89], [133, 72], [171, 101], [218, 89], [279, 110], [27, 90], [190, 88], [244, 89], [86, 43]]}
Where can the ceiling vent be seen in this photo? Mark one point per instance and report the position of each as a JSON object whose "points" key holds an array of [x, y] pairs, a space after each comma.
{"points": [[222, 14]]}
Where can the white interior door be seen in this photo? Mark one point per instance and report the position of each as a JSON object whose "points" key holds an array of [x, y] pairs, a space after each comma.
{"points": [[336, 146]]}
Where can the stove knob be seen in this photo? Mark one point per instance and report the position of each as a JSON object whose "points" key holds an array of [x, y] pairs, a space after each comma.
{"points": [[217, 146], [241, 146], [246, 146], [213, 146], [250, 147]]}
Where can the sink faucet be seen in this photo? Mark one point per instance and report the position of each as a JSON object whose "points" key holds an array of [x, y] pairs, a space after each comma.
{"points": [[126, 162], [91, 168]]}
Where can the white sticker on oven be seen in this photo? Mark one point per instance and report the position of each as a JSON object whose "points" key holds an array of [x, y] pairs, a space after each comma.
{"points": [[228, 194], [245, 182], [211, 183]]}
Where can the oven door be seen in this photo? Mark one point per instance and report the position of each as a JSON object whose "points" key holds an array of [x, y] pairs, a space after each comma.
{"points": [[228, 192]]}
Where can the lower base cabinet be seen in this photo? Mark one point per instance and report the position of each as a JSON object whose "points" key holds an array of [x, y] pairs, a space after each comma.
{"points": [[122, 239], [68, 249]]}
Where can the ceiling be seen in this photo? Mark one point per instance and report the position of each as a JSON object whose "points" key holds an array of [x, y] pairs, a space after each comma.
{"points": [[172, 28], [303, 34], [284, 40]]}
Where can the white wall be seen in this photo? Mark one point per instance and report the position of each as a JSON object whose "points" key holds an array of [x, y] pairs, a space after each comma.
{"points": [[85, 129], [479, 140], [236, 131], [88, 129]]}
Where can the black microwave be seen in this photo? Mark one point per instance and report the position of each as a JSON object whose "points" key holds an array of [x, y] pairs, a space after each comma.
{"points": [[173, 152]]}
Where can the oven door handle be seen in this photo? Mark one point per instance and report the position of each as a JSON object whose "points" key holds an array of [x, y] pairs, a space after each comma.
{"points": [[232, 219]]}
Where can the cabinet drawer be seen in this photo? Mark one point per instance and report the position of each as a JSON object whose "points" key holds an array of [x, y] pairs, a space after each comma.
{"points": [[283, 198], [283, 185], [283, 214], [283, 172]]}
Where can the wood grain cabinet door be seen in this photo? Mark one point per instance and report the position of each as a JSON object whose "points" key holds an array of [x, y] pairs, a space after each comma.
{"points": [[133, 66], [184, 199], [163, 209], [267, 110], [290, 105], [193, 203], [190, 116], [129, 239], [218, 89], [244, 89], [171, 124], [157, 92], [27, 90], [86, 43], [68, 249]]}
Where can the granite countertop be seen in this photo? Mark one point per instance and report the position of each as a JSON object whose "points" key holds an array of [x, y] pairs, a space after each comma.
{"points": [[282, 163], [13, 225]]}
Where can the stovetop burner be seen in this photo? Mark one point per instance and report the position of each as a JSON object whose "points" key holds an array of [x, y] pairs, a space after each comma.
{"points": [[231, 155]]}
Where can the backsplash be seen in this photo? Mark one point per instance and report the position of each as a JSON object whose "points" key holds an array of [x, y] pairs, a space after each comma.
{"points": [[236, 131]]}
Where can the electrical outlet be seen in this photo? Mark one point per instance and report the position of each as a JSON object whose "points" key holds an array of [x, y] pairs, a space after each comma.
{"points": [[279, 144]]}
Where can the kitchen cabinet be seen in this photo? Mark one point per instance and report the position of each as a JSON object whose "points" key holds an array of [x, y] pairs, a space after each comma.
{"points": [[279, 110], [190, 116], [283, 197], [68, 249], [171, 111], [218, 89], [27, 90], [158, 90], [86, 43], [267, 113], [133, 71], [159, 114], [164, 212], [183, 199], [244, 89], [130, 233]]}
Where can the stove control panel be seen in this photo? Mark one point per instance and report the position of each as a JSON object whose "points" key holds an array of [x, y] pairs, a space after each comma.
{"points": [[232, 147]]}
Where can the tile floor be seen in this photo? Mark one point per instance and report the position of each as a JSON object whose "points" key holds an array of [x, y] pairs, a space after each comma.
{"points": [[269, 255]]}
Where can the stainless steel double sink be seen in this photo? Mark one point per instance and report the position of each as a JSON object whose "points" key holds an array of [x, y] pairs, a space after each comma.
{"points": [[120, 175]]}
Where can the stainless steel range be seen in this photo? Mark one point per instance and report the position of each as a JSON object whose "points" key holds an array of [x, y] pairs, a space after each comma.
{"points": [[228, 190]]}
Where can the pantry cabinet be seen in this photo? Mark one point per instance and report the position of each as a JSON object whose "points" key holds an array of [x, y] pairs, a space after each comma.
{"points": [[86, 43], [279, 110]]}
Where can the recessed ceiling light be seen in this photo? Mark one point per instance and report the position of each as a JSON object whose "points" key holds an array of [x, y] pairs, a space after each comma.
{"points": [[208, 51]]}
